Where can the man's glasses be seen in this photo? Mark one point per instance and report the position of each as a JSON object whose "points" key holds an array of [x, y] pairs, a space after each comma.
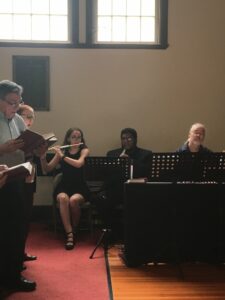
{"points": [[127, 138], [14, 104]]}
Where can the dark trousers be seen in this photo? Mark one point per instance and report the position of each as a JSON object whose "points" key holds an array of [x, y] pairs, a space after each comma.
{"points": [[12, 230], [28, 198]]}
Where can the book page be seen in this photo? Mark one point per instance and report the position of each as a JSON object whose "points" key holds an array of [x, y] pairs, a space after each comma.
{"points": [[18, 172]]}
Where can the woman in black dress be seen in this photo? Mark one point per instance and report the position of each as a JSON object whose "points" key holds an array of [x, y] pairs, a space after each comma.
{"points": [[72, 189]]}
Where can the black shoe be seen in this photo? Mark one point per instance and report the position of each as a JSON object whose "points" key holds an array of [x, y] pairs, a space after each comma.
{"points": [[28, 257], [69, 245], [22, 284]]}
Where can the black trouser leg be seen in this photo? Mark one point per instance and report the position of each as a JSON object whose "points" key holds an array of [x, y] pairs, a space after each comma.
{"points": [[11, 231], [28, 205]]}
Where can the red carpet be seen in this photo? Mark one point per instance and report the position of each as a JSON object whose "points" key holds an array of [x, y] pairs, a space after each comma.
{"points": [[62, 274]]}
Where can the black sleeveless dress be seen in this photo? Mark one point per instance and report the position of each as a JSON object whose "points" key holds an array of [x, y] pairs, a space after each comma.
{"points": [[72, 179]]}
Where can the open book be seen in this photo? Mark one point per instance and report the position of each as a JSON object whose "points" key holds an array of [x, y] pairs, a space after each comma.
{"points": [[32, 140], [18, 172]]}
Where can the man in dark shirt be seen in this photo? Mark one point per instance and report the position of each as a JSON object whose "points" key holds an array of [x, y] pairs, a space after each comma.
{"points": [[112, 198], [141, 157]]}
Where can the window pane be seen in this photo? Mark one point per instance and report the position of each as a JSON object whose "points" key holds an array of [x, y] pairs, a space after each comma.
{"points": [[22, 27], [104, 29], [59, 7], [147, 29], [118, 29], [120, 22], [6, 31], [21, 6], [40, 28], [131, 21], [40, 6], [133, 29], [119, 7], [5, 6], [148, 7], [58, 28], [104, 7], [133, 7], [31, 20]]}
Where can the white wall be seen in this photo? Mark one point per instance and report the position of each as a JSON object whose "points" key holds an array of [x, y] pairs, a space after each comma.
{"points": [[158, 92], [43, 195]]}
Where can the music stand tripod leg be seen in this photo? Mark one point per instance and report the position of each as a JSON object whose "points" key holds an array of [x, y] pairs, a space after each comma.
{"points": [[100, 241]]}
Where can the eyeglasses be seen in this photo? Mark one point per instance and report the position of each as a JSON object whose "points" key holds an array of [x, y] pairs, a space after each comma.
{"points": [[14, 104], [127, 138]]}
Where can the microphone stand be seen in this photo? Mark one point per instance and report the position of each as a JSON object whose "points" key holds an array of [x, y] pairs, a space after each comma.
{"points": [[104, 237], [104, 240]]}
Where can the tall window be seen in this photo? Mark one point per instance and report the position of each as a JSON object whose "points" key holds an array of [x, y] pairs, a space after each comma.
{"points": [[84, 23], [126, 21], [34, 20]]}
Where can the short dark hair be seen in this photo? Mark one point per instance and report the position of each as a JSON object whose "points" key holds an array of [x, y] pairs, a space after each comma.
{"points": [[7, 87], [130, 131]]}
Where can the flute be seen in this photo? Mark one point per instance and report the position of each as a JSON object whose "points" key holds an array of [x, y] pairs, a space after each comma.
{"points": [[66, 146], [123, 152]]}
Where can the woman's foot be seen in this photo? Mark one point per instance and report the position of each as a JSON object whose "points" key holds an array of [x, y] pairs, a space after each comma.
{"points": [[69, 245]]}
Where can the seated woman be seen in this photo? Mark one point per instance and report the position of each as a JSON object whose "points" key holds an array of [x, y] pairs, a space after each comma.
{"points": [[72, 189], [27, 113], [195, 139]]}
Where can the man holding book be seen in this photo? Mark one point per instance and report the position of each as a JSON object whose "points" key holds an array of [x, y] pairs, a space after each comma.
{"points": [[11, 193]]}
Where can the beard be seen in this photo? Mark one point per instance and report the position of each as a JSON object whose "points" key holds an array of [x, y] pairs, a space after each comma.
{"points": [[195, 143]]}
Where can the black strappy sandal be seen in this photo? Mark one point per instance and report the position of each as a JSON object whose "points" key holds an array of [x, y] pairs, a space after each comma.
{"points": [[69, 245]]}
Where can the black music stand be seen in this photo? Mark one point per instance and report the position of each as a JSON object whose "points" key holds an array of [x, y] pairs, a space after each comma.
{"points": [[213, 169], [192, 167], [163, 167], [100, 169], [189, 167]]}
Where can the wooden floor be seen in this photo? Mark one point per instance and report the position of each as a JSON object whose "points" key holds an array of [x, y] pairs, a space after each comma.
{"points": [[164, 282]]}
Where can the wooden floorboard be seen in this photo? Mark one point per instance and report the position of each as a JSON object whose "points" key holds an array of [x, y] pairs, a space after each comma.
{"points": [[164, 281]]}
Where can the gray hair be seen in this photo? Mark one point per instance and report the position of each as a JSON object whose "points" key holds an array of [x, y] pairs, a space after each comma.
{"points": [[7, 87]]}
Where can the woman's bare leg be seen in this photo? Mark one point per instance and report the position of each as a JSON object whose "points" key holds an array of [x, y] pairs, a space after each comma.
{"points": [[64, 208], [75, 201]]}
